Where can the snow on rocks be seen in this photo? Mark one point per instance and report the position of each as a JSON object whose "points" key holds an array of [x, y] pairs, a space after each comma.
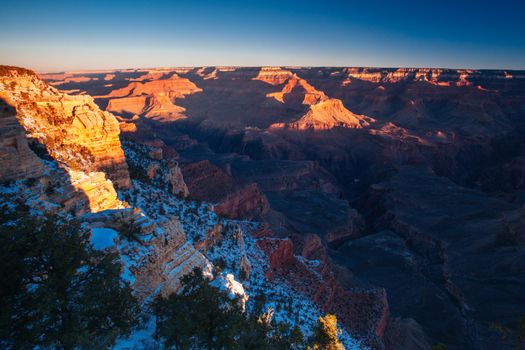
{"points": [[103, 238], [226, 249], [234, 289]]}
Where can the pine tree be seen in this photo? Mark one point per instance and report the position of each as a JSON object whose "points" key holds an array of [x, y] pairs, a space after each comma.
{"points": [[326, 334], [56, 291], [201, 316]]}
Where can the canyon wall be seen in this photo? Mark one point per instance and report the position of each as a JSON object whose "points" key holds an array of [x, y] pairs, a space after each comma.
{"points": [[73, 129], [407, 179]]}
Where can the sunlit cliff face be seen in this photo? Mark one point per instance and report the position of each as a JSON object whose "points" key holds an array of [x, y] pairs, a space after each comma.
{"points": [[72, 128]]}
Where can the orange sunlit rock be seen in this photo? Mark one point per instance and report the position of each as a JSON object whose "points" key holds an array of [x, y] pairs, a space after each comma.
{"points": [[72, 128], [152, 97], [327, 115]]}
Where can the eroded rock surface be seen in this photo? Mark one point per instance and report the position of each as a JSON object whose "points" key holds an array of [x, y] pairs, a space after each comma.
{"points": [[72, 128]]}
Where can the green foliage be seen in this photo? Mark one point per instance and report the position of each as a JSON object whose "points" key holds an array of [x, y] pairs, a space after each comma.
{"points": [[439, 347], [326, 334], [201, 316], [285, 337], [137, 172], [56, 291]]}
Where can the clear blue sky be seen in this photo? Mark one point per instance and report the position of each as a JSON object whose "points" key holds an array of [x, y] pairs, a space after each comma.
{"points": [[77, 34]]}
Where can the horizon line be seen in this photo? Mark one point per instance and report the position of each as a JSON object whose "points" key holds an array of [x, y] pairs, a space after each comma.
{"points": [[138, 68]]}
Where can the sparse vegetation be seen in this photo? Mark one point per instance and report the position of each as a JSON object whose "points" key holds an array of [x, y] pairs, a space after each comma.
{"points": [[202, 316]]}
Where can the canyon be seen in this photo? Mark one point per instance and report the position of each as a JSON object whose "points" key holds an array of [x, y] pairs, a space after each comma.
{"points": [[65, 159], [392, 198], [404, 179]]}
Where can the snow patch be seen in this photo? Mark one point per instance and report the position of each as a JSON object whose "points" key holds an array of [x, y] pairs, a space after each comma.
{"points": [[103, 238]]}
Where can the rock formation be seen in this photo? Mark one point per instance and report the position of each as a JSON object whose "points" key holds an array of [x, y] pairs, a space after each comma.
{"points": [[324, 113], [211, 238], [232, 199], [18, 161], [157, 257], [274, 75], [174, 177], [152, 97], [327, 115], [248, 202], [72, 128], [99, 192], [297, 88], [245, 266]]}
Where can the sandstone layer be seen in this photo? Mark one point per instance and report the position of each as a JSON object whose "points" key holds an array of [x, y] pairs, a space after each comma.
{"points": [[153, 96], [72, 128]]}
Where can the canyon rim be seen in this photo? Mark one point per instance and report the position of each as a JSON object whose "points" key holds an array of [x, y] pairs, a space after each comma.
{"points": [[262, 176]]}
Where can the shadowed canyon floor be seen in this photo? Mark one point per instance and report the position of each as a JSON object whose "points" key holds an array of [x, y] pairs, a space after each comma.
{"points": [[409, 180]]}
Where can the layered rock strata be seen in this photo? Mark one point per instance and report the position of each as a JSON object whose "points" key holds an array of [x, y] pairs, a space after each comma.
{"points": [[73, 129]]}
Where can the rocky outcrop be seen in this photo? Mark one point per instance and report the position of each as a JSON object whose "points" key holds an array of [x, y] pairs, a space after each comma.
{"points": [[324, 113], [157, 252], [296, 89], [133, 105], [312, 247], [207, 73], [152, 97], [98, 190], [176, 180], [173, 86], [232, 199], [68, 184], [211, 238], [234, 289], [208, 182], [160, 150], [245, 266], [72, 128], [280, 252], [248, 202], [273, 75], [152, 170], [18, 161], [327, 115]]}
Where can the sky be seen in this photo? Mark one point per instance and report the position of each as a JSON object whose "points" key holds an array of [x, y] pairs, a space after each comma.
{"points": [[52, 36]]}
